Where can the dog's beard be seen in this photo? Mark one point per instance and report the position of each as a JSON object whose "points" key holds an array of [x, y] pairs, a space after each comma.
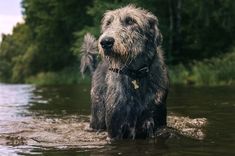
{"points": [[121, 61]]}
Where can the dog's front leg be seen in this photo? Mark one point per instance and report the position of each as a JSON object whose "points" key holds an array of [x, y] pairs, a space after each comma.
{"points": [[122, 110], [121, 121]]}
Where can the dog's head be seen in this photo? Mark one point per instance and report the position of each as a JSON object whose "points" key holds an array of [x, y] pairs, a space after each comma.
{"points": [[128, 32]]}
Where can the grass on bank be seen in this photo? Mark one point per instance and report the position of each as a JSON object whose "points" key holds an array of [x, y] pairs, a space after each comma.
{"points": [[67, 76], [211, 72]]}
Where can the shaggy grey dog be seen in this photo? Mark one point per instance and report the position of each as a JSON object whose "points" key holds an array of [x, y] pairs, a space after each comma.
{"points": [[130, 83]]}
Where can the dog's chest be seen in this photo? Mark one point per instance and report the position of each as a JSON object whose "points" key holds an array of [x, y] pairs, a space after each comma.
{"points": [[121, 86]]}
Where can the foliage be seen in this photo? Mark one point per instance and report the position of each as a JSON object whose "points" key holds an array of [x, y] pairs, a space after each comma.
{"points": [[207, 28], [53, 23], [213, 72], [49, 41], [15, 51]]}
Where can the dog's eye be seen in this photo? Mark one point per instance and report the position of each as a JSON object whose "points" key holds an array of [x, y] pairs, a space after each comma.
{"points": [[129, 21], [108, 23]]}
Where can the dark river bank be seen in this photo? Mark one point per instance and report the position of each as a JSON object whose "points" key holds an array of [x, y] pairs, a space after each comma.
{"points": [[50, 120]]}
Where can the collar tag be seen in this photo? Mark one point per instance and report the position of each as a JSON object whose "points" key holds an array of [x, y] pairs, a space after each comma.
{"points": [[135, 84]]}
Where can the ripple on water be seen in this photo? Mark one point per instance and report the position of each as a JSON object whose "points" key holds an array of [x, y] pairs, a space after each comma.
{"points": [[14, 99], [67, 131]]}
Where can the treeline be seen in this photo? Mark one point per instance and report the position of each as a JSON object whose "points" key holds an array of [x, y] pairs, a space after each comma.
{"points": [[50, 38]]}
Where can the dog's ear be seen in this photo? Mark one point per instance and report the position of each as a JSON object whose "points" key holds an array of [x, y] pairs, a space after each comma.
{"points": [[153, 25]]}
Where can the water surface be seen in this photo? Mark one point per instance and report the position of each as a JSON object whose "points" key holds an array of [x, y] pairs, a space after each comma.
{"points": [[27, 110]]}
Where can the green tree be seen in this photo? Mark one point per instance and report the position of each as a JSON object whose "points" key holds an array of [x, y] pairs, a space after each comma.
{"points": [[207, 28], [52, 23], [13, 49]]}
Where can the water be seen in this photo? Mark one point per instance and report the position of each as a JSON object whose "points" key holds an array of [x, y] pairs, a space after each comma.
{"points": [[50, 120]]}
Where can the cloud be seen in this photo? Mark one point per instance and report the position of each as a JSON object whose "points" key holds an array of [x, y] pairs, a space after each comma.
{"points": [[7, 22]]}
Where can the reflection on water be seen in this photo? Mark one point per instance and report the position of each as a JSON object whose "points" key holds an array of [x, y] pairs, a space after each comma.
{"points": [[14, 101], [61, 100], [27, 107]]}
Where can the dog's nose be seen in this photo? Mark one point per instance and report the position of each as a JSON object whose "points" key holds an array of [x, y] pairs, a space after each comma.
{"points": [[107, 42]]}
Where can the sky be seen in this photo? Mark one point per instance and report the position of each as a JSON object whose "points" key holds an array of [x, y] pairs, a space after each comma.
{"points": [[10, 14]]}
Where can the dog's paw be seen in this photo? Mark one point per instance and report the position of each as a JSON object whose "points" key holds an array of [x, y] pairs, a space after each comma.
{"points": [[148, 128]]}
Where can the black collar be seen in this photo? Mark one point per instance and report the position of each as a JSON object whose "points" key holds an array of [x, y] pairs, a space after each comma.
{"points": [[134, 74]]}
